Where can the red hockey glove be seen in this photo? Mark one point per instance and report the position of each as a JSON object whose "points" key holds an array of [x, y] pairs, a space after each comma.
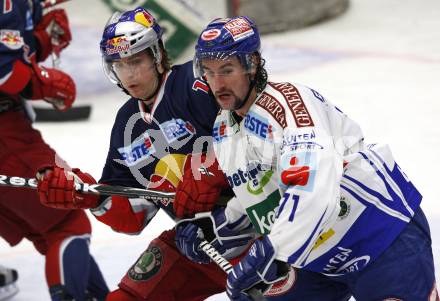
{"points": [[54, 86], [200, 187], [56, 188], [52, 33]]}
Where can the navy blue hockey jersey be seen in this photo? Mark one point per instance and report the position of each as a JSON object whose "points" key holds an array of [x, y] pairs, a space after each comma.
{"points": [[143, 141]]}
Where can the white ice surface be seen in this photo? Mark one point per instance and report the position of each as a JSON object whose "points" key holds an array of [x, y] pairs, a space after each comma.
{"points": [[379, 62]]}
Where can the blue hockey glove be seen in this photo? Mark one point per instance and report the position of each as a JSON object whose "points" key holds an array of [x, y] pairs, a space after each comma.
{"points": [[257, 269], [188, 238], [229, 239]]}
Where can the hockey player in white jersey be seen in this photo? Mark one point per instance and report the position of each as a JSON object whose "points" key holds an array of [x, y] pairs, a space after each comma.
{"points": [[341, 213]]}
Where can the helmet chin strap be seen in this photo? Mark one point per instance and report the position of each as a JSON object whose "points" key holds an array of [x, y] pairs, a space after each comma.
{"points": [[245, 99], [252, 84]]}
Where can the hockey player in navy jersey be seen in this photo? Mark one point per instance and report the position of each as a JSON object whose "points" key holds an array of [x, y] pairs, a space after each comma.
{"points": [[169, 115], [337, 217], [26, 38]]}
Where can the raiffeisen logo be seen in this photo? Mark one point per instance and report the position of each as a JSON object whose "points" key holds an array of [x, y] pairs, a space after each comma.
{"points": [[258, 126], [219, 131]]}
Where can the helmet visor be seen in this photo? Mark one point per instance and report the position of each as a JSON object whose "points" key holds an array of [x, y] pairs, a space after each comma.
{"points": [[134, 66], [228, 66]]}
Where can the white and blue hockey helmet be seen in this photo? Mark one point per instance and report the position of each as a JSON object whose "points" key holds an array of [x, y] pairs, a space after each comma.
{"points": [[129, 33]]}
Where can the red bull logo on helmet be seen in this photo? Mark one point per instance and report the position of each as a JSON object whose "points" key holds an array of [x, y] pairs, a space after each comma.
{"points": [[144, 18], [117, 45]]}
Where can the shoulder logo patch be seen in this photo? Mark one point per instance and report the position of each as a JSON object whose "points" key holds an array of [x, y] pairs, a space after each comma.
{"points": [[11, 39], [273, 107], [295, 103]]}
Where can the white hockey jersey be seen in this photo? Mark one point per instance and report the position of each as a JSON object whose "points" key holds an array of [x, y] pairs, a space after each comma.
{"points": [[301, 173]]}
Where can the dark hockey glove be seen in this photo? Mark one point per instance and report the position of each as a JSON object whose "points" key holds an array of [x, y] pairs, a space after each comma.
{"points": [[257, 269], [188, 239], [230, 240], [202, 183], [56, 188], [52, 33]]}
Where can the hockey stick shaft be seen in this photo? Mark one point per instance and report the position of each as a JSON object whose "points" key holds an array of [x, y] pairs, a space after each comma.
{"points": [[226, 266], [97, 189]]}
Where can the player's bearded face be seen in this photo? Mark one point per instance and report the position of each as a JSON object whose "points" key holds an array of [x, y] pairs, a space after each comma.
{"points": [[137, 74], [228, 80]]}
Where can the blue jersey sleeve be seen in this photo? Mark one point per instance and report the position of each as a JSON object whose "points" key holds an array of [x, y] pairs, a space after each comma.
{"points": [[17, 19]]}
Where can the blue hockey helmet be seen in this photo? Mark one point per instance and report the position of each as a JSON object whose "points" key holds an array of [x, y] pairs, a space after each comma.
{"points": [[226, 37], [128, 33]]}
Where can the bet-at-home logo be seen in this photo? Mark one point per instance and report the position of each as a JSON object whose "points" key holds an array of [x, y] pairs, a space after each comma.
{"points": [[262, 215], [147, 265]]}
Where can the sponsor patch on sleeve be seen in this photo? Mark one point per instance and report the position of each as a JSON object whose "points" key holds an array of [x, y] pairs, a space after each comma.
{"points": [[11, 39]]}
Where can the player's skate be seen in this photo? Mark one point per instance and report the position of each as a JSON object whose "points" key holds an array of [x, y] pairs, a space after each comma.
{"points": [[8, 287]]}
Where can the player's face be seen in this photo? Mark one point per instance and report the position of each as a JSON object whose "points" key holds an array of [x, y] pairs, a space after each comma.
{"points": [[137, 74], [228, 80]]}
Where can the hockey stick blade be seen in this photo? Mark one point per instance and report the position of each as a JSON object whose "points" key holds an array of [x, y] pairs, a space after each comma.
{"points": [[159, 197], [73, 114], [226, 266]]}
